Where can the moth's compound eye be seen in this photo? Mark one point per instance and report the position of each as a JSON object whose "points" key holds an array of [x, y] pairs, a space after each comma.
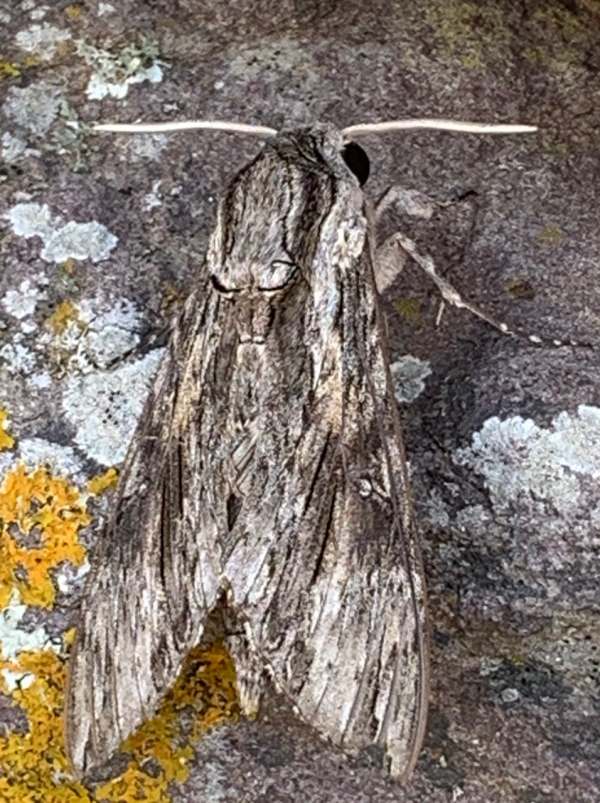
{"points": [[226, 291], [357, 161]]}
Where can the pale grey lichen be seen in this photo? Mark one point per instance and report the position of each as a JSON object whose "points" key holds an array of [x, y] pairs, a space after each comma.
{"points": [[436, 511], [16, 358], [519, 459], [28, 327], [12, 147], [409, 374], [105, 8], [39, 13], [72, 240], [79, 241], [146, 147], [99, 88], [14, 639], [115, 73], [31, 220], [104, 407], [33, 107], [42, 40], [151, 199], [40, 381], [101, 332], [22, 302], [62, 460], [69, 577], [111, 331]]}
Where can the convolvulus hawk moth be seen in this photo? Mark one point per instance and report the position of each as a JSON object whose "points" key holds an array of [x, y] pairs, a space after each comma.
{"points": [[267, 479]]}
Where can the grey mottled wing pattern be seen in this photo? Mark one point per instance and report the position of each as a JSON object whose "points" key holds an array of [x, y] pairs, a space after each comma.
{"points": [[326, 569], [156, 569]]}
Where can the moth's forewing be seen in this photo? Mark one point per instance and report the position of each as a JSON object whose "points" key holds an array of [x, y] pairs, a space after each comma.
{"points": [[267, 474], [324, 563]]}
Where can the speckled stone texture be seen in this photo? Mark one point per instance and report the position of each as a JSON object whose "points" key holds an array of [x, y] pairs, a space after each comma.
{"points": [[504, 440]]}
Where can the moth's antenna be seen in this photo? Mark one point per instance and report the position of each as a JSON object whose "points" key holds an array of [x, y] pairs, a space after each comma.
{"points": [[440, 125], [187, 125]]}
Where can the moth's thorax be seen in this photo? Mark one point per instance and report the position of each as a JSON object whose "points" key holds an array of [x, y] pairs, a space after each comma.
{"points": [[270, 219], [289, 219]]}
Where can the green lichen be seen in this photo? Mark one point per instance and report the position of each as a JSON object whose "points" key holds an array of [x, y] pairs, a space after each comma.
{"points": [[467, 31], [550, 236], [9, 69], [565, 37], [409, 309]]}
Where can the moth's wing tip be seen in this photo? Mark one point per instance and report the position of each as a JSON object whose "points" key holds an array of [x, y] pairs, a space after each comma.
{"points": [[84, 764]]}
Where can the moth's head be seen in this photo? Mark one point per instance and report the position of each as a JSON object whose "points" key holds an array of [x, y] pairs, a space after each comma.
{"points": [[275, 213], [279, 209]]}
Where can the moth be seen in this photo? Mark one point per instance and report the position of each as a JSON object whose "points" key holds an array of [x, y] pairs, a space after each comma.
{"points": [[267, 479]]}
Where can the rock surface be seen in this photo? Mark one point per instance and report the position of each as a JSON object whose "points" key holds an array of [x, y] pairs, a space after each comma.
{"points": [[503, 436]]}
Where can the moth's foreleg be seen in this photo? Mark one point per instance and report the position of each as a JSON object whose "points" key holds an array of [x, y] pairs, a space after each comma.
{"points": [[389, 258], [410, 202], [389, 264], [404, 245], [447, 291]]}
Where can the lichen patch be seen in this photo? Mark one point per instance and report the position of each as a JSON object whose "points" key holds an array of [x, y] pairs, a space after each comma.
{"points": [[16, 358], [103, 482], [409, 374], [114, 73], [517, 458], [22, 302], [52, 507], [6, 439], [61, 241], [31, 220], [104, 407], [79, 241], [43, 40], [61, 460], [13, 148], [94, 334], [34, 107]]}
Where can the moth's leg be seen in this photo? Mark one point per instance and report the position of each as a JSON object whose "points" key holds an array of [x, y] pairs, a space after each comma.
{"points": [[404, 245], [410, 202], [449, 293], [390, 260]]}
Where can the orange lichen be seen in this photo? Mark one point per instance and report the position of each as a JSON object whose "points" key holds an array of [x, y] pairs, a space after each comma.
{"points": [[206, 687], [6, 440], [62, 316], [74, 11], [102, 482], [49, 511], [34, 764]]}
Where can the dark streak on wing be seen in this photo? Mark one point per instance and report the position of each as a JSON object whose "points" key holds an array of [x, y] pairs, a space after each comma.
{"points": [[325, 538], [317, 472]]}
